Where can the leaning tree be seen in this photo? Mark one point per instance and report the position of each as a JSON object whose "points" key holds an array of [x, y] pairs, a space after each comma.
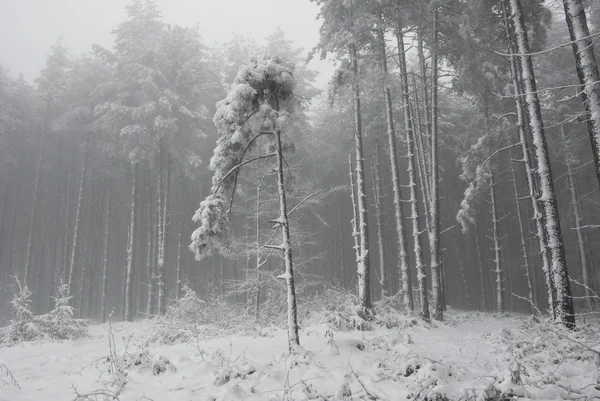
{"points": [[261, 103]]}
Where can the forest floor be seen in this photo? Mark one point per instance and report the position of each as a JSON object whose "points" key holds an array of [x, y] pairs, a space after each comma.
{"points": [[470, 356]]}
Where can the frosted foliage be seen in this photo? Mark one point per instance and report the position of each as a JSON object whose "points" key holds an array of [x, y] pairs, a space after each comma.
{"points": [[466, 213], [59, 323], [213, 229], [261, 98], [476, 174]]}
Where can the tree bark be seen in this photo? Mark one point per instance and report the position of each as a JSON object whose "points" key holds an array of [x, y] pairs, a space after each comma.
{"points": [[383, 279], [480, 267], [585, 272], [564, 302], [401, 244], [354, 221], [412, 177], [34, 209], [587, 71], [179, 233], [78, 219], [131, 251], [434, 231], [363, 266], [286, 247], [103, 296], [524, 253], [538, 214], [497, 248]]}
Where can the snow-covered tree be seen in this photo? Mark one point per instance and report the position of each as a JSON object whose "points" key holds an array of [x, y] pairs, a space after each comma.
{"points": [[564, 302], [587, 71], [261, 103]]}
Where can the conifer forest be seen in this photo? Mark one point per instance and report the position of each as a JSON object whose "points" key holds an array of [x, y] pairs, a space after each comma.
{"points": [[185, 219]]}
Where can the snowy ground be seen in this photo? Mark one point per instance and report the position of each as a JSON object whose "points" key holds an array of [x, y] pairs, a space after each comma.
{"points": [[462, 358]]}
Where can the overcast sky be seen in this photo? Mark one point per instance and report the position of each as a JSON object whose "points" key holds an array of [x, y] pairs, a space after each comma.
{"points": [[29, 27]]}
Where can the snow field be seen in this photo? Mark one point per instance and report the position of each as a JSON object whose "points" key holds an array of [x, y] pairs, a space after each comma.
{"points": [[469, 357]]}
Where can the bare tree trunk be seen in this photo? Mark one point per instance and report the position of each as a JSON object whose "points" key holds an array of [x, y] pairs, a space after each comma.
{"points": [[84, 265], [258, 245], [150, 249], [131, 248], [354, 222], [564, 302], [480, 267], [497, 248], [403, 269], [179, 272], [286, 248], [364, 283], [65, 267], [104, 301], [538, 214], [13, 228], [587, 71], [166, 220], [34, 209], [78, 219], [383, 279], [161, 269], [424, 179], [434, 232], [412, 177], [222, 276], [341, 247], [508, 276], [524, 253], [585, 272]]}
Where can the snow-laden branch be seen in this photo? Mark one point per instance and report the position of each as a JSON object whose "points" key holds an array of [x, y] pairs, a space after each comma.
{"points": [[551, 49], [486, 161]]}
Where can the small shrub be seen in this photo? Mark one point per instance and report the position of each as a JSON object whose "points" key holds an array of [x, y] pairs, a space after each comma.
{"points": [[58, 324]]}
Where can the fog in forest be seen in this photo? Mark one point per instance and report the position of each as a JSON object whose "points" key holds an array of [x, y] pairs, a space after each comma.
{"points": [[222, 164]]}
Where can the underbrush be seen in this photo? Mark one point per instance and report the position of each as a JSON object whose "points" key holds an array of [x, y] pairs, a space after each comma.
{"points": [[58, 324], [191, 318]]}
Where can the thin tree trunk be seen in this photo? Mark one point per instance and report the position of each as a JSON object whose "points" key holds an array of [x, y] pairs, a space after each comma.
{"points": [[585, 272], [383, 279], [34, 209], [103, 300], [587, 71], [354, 222], [564, 302], [13, 228], [131, 254], [420, 157], [401, 244], [412, 177], [363, 269], [524, 253], [434, 232], [179, 272], [538, 214], [65, 267], [508, 276], [497, 248], [78, 219], [480, 266], [222, 276], [84, 265], [341, 247], [258, 245], [152, 248], [160, 280], [286, 248], [162, 293]]}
